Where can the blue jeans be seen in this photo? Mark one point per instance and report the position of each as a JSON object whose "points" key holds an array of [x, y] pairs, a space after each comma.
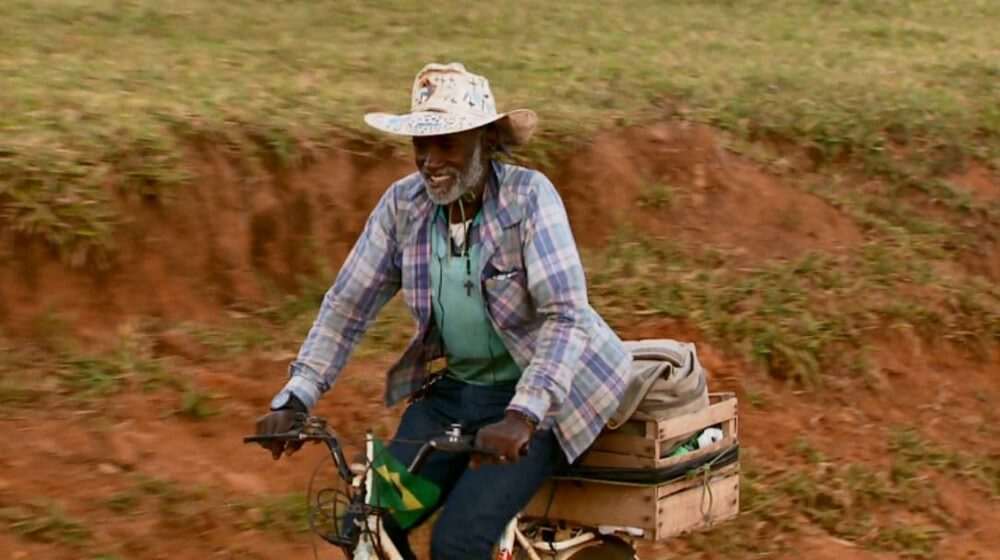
{"points": [[476, 503]]}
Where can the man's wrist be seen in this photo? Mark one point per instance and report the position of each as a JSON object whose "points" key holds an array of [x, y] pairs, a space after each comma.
{"points": [[292, 403], [523, 417], [531, 401]]}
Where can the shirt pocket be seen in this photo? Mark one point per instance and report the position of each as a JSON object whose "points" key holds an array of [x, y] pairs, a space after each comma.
{"points": [[507, 298]]}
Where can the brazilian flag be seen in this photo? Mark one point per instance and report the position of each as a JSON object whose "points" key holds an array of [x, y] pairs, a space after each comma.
{"points": [[406, 495]]}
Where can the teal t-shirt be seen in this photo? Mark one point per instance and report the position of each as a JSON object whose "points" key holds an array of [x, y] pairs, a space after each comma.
{"points": [[473, 348]]}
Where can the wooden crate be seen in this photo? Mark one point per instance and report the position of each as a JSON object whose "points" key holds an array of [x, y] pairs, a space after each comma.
{"points": [[661, 511], [647, 444]]}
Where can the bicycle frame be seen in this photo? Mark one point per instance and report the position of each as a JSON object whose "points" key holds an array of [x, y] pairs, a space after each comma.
{"points": [[366, 549], [512, 535]]}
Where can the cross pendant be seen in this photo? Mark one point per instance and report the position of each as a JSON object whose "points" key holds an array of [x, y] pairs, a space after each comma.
{"points": [[468, 288]]}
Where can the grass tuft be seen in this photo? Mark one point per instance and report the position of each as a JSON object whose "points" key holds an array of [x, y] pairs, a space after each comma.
{"points": [[196, 405], [46, 523], [855, 502], [287, 515]]}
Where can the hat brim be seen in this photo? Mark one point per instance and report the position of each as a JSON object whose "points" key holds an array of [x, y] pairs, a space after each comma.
{"points": [[516, 127]]}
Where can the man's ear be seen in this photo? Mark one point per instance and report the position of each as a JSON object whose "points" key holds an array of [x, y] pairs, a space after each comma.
{"points": [[491, 139]]}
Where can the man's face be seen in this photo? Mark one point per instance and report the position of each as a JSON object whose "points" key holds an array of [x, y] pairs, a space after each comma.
{"points": [[450, 164]]}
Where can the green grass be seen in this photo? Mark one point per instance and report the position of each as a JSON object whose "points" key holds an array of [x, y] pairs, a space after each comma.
{"points": [[196, 405], [912, 454], [909, 541], [19, 388], [801, 319], [177, 504], [102, 93], [85, 376], [657, 196], [58, 361], [124, 502], [46, 523], [240, 337], [287, 515], [854, 502]]}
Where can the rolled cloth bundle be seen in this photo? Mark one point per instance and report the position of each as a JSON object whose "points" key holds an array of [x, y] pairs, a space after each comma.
{"points": [[668, 381]]}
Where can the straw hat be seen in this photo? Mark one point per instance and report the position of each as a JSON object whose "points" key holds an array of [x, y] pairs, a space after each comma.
{"points": [[447, 98]]}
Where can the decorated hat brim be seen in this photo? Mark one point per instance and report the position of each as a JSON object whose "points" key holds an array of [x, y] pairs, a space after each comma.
{"points": [[516, 127]]}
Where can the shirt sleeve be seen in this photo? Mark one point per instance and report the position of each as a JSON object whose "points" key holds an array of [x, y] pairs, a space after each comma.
{"points": [[368, 279], [558, 289]]}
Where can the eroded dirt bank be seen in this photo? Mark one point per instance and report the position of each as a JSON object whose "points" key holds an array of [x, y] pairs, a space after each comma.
{"points": [[230, 237]]}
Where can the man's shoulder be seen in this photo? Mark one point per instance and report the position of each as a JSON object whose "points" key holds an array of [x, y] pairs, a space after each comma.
{"points": [[523, 179], [401, 201], [525, 187]]}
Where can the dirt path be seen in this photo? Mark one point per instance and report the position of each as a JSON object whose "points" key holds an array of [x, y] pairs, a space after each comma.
{"points": [[146, 484]]}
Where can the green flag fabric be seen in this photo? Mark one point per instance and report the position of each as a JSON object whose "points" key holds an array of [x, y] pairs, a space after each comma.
{"points": [[407, 496]]}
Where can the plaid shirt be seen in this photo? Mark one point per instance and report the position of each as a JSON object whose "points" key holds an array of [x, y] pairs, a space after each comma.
{"points": [[575, 369]]}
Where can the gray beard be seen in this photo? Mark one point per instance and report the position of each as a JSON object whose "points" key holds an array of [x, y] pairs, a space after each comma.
{"points": [[465, 181]]}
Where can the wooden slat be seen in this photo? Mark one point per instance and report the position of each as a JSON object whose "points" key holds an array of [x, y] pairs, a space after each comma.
{"points": [[690, 423], [631, 445], [617, 460], [664, 490], [631, 428], [594, 503], [652, 430], [682, 512], [732, 427]]}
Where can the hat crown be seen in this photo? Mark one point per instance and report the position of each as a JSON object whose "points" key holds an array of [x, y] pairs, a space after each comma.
{"points": [[450, 88]]}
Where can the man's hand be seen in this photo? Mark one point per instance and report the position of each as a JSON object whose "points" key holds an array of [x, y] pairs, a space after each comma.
{"points": [[276, 422], [506, 439]]}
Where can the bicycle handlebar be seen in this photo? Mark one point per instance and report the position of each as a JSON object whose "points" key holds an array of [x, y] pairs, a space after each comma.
{"points": [[453, 441], [309, 428], [314, 428], [284, 436]]}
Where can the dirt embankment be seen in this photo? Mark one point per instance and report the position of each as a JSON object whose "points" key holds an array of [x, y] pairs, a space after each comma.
{"points": [[230, 238]]}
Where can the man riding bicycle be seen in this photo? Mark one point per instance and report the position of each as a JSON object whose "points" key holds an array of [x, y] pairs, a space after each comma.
{"points": [[484, 255]]}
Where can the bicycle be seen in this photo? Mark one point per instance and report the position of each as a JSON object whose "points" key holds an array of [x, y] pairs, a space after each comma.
{"points": [[356, 527]]}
